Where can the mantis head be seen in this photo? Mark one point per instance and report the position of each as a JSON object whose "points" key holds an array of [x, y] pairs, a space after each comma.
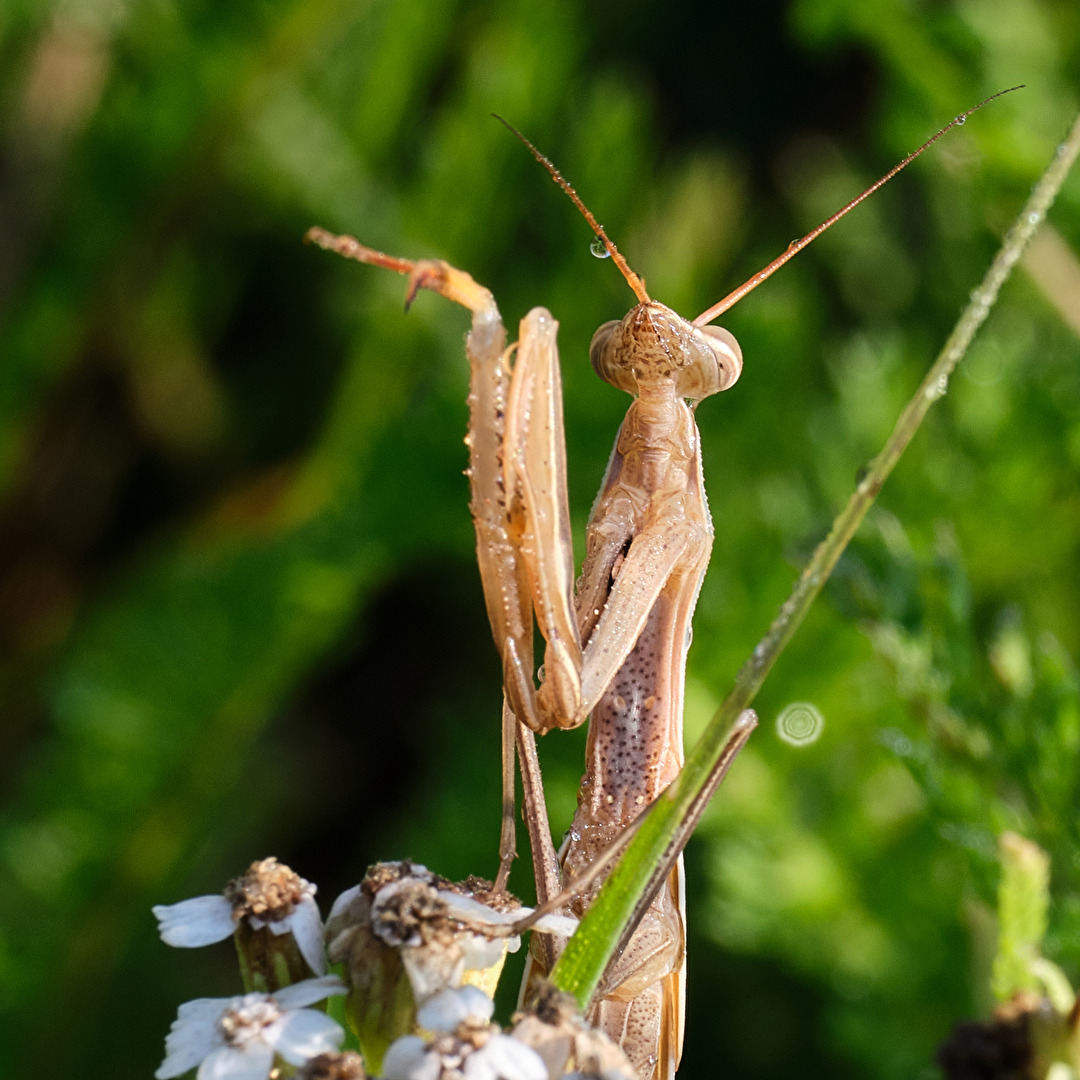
{"points": [[653, 345]]}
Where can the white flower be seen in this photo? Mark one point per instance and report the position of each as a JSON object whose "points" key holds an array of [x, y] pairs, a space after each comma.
{"points": [[237, 1038], [408, 1059], [267, 889], [465, 1044], [444, 933], [448, 1008], [502, 1057]]}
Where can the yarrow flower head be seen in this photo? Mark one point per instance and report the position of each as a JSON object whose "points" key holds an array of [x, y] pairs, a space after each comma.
{"points": [[237, 1038], [268, 901], [404, 934], [567, 1043], [442, 930], [463, 1044]]}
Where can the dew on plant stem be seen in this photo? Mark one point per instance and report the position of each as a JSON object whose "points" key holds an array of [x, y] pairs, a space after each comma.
{"points": [[598, 249], [961, 120], [937, 388]]}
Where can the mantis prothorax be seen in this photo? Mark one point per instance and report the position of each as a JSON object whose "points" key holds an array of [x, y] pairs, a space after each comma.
{"points": [[616, 642]]}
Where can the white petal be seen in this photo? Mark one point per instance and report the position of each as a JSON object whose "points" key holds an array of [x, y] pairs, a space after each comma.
{"points": [[300, 1035], [505, 1058], [469, 910], [433, 968], [231, 1063], [203, 1010], [408, 1059], [309, 991], [193, 1035], [307, 930], [344, 900], [199, 921], [477, 1067], [180, 1058], [448, 1008], [563, 925], [480, 953]]}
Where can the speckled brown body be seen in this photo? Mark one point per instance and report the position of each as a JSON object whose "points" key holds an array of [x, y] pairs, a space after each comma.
{"points": [[634, 747]]}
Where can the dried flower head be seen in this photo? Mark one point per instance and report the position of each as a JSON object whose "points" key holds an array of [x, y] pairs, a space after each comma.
{"points": [[404, 934], [567, 1043], [441, 930], [273, 913]]}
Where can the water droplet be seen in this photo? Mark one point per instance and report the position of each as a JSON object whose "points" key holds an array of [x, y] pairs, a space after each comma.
{"points": [[938, 388], [800, 724], [961, 120], [1033, 219], [598, 249]]}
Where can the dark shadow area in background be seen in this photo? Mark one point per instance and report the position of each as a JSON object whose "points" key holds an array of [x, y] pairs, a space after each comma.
{"points": [[368, 732], [752, 1016], [730, 73]]}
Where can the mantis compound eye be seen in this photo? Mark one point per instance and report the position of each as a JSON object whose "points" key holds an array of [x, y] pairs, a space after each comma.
{"points": [[604, 356], [717, 365]]}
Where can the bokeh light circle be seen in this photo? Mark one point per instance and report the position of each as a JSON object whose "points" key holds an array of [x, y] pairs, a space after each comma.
{"points": [[800, 723]]}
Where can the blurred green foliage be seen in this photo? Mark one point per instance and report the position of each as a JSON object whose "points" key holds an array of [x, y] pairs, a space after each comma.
{"points": [[238, 604]]}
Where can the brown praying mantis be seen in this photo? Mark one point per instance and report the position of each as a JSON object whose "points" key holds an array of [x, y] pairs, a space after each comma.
{"points": [[616, 641]]}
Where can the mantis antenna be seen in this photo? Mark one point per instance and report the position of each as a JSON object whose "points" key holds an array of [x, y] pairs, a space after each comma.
{"points": [[632, 279], [797, 245], [638, 285]]}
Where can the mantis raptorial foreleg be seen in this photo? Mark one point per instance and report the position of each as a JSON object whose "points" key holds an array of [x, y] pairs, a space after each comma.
{"points": [[499, 529]]}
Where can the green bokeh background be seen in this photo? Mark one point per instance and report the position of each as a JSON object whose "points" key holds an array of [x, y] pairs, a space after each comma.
{"points": [[239, 609]]}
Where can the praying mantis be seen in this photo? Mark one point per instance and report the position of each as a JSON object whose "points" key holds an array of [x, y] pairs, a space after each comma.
{"points": [[616, 641]]}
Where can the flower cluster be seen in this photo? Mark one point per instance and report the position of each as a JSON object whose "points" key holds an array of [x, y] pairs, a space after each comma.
{"points": [[421, 956], [443, 933]]}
